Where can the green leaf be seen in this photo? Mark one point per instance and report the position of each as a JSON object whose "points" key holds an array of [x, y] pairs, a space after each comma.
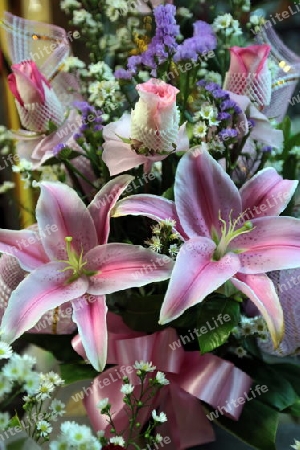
{"points": [[66, 153], [141, 313], [71, 373], [256, 426], [212, 327], [290, 372], [294, 410], [169, 193]]}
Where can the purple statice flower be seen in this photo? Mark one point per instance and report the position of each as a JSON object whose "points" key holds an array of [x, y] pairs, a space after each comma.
{"points": [[227, 133], [202, 83], [219, 93], [266, 149], [224, 116], [211, 86], [251, 123], [228, 104], [90, 115], [123, 74], [203, 41], [57, 149], [162, 46], [237, 109]]}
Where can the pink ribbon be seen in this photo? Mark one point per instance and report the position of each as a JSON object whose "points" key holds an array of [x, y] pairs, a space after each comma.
{"points": [[192, 377]]}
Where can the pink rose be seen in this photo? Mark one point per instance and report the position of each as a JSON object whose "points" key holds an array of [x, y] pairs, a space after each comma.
{"points": [[249, 74], [155, 119], [36, 101]]}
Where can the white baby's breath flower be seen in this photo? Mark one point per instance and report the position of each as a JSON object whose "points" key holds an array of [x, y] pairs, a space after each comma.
{"points": [[127, 389], [207, 111], [184, 12], [44, 428], [118, 440], [159, 418], [144, 366], [158, 438], [222, 22], [102, 404], [66, 5], [72, 62], [4, 420], [5, 349], [161, 379], [77, 434], [62, 444]]}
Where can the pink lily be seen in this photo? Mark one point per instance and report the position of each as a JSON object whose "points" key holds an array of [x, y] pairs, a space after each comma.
{"points": [[222, 242], [75, 264]]}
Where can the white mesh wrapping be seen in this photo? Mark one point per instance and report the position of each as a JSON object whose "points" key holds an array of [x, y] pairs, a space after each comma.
{"points": [[285, 78], [287, 284], [53, 322], [153, 139], [36, 116], [256, 87]]}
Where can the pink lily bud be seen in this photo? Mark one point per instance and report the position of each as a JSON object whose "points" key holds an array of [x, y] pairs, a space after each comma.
{"points": [[36, 101], [249, 74], [155, 119]]}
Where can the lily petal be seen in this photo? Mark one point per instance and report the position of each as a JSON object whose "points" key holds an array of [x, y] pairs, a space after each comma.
{"points": [[103, 203], [42, 290], [59, 206], [89, 313], [25, 245], [266, 194], [203, 192], [195, 276], [261, 291], [273, 244], [119, 157], [122, 266]]}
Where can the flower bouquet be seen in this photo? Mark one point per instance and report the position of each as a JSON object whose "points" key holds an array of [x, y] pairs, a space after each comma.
{"points": [[164, 255]]}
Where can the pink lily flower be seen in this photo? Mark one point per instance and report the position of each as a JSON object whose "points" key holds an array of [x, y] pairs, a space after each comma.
{"points": [[227, 233], [75, 264]]}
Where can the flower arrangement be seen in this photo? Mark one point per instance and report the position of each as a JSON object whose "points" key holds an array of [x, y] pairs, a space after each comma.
{"points": [[166, 227]]}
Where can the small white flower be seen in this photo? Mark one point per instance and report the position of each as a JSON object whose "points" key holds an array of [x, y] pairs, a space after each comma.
{"points": [[5, 349], [158, 437], [222, 22], [144, 366], [77, 434], [296, 446], [57, 407], [102, 404], [184, 12], [159, 418], [161, 379], [4, 420], [118, 440], [45, 390], [5, 385], [31, 383], [200, 129], [53, 378], [127, 389], [67, 4], [44, 428], [62, 444], [240, 352], [207, 111], [72, 62]]}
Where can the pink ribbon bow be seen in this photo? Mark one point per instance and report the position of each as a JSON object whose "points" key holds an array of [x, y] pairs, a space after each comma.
{"points": [[192, 377]]}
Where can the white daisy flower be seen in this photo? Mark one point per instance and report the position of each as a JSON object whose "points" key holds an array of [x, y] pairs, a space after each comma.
{"points": [[5, 349], [57, 407], [44, 428], [102, 404], [240, 352], [296, 445], [5, 385]]}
